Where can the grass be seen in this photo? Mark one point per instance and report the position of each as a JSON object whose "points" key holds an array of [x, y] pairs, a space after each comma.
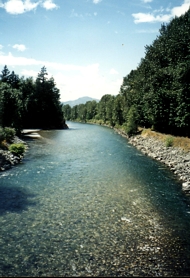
{"points": [[177, 141]]}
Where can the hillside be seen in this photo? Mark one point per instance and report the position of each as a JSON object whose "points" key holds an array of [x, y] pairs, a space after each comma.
{"points": [[81, 100]]}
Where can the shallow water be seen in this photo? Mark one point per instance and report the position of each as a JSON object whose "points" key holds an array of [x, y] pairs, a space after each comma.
{"points": [[86, 203]]}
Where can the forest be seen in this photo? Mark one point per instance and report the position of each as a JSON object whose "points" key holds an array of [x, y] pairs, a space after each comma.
{"points": [[29, 103], [156, 94]]}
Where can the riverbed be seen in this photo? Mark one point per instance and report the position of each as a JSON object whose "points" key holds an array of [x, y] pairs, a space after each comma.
{"points": [[84, 202]]}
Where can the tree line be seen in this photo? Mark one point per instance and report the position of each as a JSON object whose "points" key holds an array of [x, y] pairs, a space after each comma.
{"points": [[29, 103], [154, 95]]}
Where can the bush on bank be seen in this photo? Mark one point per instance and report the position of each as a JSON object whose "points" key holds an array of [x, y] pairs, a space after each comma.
{"points": [[17, 149], [169, 141], [7, 133]]}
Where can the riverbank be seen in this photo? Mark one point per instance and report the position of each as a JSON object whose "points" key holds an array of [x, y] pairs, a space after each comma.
{"points": [[176, 158], [8, 159], [154, 145], [176, 155]]}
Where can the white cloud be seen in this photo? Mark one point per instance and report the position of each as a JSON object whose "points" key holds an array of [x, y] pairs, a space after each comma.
{"points": [[75, 14], [19, 47], [147, 1], [87, 84], [19, 6], [22, 6], [22, 61], [161, 17], [150, 18], [1, 47], [73, 81], [31, 73], [113, 71], [11, 60], [82, 16], [178, 11], [96, 1], [49, 5]]}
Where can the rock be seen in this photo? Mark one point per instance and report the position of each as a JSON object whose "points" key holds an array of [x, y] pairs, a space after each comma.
{"points": [[7, 159], [175, 158], [186, 186]]}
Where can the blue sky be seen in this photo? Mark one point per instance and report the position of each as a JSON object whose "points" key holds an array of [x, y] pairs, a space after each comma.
{"points": [[88, 46]]}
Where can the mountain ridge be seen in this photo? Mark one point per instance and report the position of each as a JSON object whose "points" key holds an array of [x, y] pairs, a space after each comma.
{"points": [[81, 100]]}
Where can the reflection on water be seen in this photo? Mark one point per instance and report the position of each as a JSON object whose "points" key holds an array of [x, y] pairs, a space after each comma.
{"points": [[85, 203]]}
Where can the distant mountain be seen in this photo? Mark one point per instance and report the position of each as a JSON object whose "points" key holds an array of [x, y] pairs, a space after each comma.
{"points": [[81, 100]]}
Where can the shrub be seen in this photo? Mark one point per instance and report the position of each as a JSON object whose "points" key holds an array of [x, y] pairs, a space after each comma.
{"points": [[118, 126], [99, 122], [9, 133], [169, 141], [17, 149]]}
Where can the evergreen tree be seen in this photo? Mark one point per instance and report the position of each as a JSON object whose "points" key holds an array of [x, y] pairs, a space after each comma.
{"points": [[4, 76], [10, 107]]}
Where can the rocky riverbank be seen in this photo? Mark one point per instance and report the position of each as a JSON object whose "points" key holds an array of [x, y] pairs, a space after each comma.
{"points": [[175, 158], [7, 159]]}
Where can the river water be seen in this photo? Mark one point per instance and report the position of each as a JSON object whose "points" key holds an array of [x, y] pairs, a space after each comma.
{"points": [[86, 203]]}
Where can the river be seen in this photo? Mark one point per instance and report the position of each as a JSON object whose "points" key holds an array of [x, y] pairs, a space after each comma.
{"points": [[86, 203]]}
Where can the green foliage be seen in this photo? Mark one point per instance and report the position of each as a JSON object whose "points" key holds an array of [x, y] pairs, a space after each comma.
{"points": [[105, 108], [67, 111], [118, 108], [159, 87], [10, 106], [5, 74], [100, 122], [17, 149], [91, 109], [118, 126], [7, 134], [169, 141], [132, 121], [28, 103]]}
